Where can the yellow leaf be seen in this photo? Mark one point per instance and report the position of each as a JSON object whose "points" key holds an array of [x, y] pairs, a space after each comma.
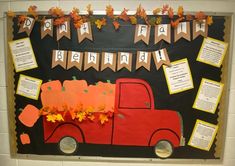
{"points": [[98, 24], [89, 109], [133, 20], [59, 117], [51, 118], [103, 118], [109, 11], [156, 11], [159, 20], [180, 11], [81, 116], [209, 20]]}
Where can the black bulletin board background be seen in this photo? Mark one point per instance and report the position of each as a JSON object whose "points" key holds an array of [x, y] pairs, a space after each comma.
{"points": [[108, 39]]}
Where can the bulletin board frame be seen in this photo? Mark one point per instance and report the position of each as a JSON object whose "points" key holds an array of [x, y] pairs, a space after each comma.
{"points": [[222, 119]]}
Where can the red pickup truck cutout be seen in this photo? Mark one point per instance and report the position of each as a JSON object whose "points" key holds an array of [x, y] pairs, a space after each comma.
{"points": [[133, 120]]}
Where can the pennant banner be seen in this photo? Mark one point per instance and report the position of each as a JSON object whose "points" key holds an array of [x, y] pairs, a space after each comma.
{"points": [[143, 59], [91, 60], [108, 61], [75, 59], [84, 32], [59, 57], [124, 60], [27, 26], [161, 57], [47, 28], [162, 32], [200, 28], [182, 31], [63, 30], [142, 32]]}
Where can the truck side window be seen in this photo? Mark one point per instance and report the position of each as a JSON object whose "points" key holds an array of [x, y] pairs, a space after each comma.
{"points": [[134, 95]]}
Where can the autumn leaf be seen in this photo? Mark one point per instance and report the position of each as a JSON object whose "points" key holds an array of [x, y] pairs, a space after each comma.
{"points": [[32, 10], [51, 118], [199, 16], [56, 12], [59, 117], [165, 9], [109, 11], [90, 109], [124, 15], [81, 116], [99, 23], [133, 20], [209, 20], [170, 13], [103, 118], [22, 18], [91, 117], [78, 24], [59, 21], [11, 13], [140, 12], [156, 11], [89, 10], [189, 17], [175, 23], [116, 25], [159, 20], [180, 12]]}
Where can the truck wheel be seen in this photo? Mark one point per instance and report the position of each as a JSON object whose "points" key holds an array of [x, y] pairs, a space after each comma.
{"points": [[163, 149], [68, 145]]}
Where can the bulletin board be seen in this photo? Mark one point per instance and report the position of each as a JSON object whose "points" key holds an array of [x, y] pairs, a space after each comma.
{"points": [[29, 136]]}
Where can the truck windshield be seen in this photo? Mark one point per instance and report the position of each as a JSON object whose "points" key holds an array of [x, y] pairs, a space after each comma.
{"points": [[134, 96]]}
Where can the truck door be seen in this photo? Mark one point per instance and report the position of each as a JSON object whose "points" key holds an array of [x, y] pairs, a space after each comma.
{"points": [[134, 104]]}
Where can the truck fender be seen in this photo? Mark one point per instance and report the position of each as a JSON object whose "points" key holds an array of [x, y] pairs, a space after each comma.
{"points": [[69, 129], [164, 134]]}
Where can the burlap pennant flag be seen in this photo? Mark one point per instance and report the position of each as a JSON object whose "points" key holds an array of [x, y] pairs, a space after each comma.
{"points": [[59, 57], [84, 32], [161, 57], [27, 26], [75, 60], [182, 31], [124, 60], [200, 28], [91, 60], [47, 28], [63, 30], [143, 59], [142, 32], [162, 32], [108, 61]]}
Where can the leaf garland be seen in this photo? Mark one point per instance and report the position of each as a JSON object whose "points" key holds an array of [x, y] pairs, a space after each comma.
{"points": [[59, 16]]}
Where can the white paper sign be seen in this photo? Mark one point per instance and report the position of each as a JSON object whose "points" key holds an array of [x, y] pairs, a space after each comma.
{"points": [[178, 76], [208, 95], [212, 52], [28, 87], [22, 54], [203, 135]]}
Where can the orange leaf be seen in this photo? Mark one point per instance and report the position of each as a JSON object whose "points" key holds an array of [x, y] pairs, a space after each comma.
{"points": [[103, 118], [165, 9], [56, 12], [78, 23], [124, 15], [189, 17], [22, 18], [109, 11], [156, 11], [180, 11], [141, 12], [99, 23], [170, 13], [59, 21], [133, 20], [200, 16], [10, 13], [209, 20], [175, 23], [116, 25]]}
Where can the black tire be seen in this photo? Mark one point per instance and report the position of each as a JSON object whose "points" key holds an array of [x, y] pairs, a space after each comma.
{"points": [[163, 149], [68, 145]]}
